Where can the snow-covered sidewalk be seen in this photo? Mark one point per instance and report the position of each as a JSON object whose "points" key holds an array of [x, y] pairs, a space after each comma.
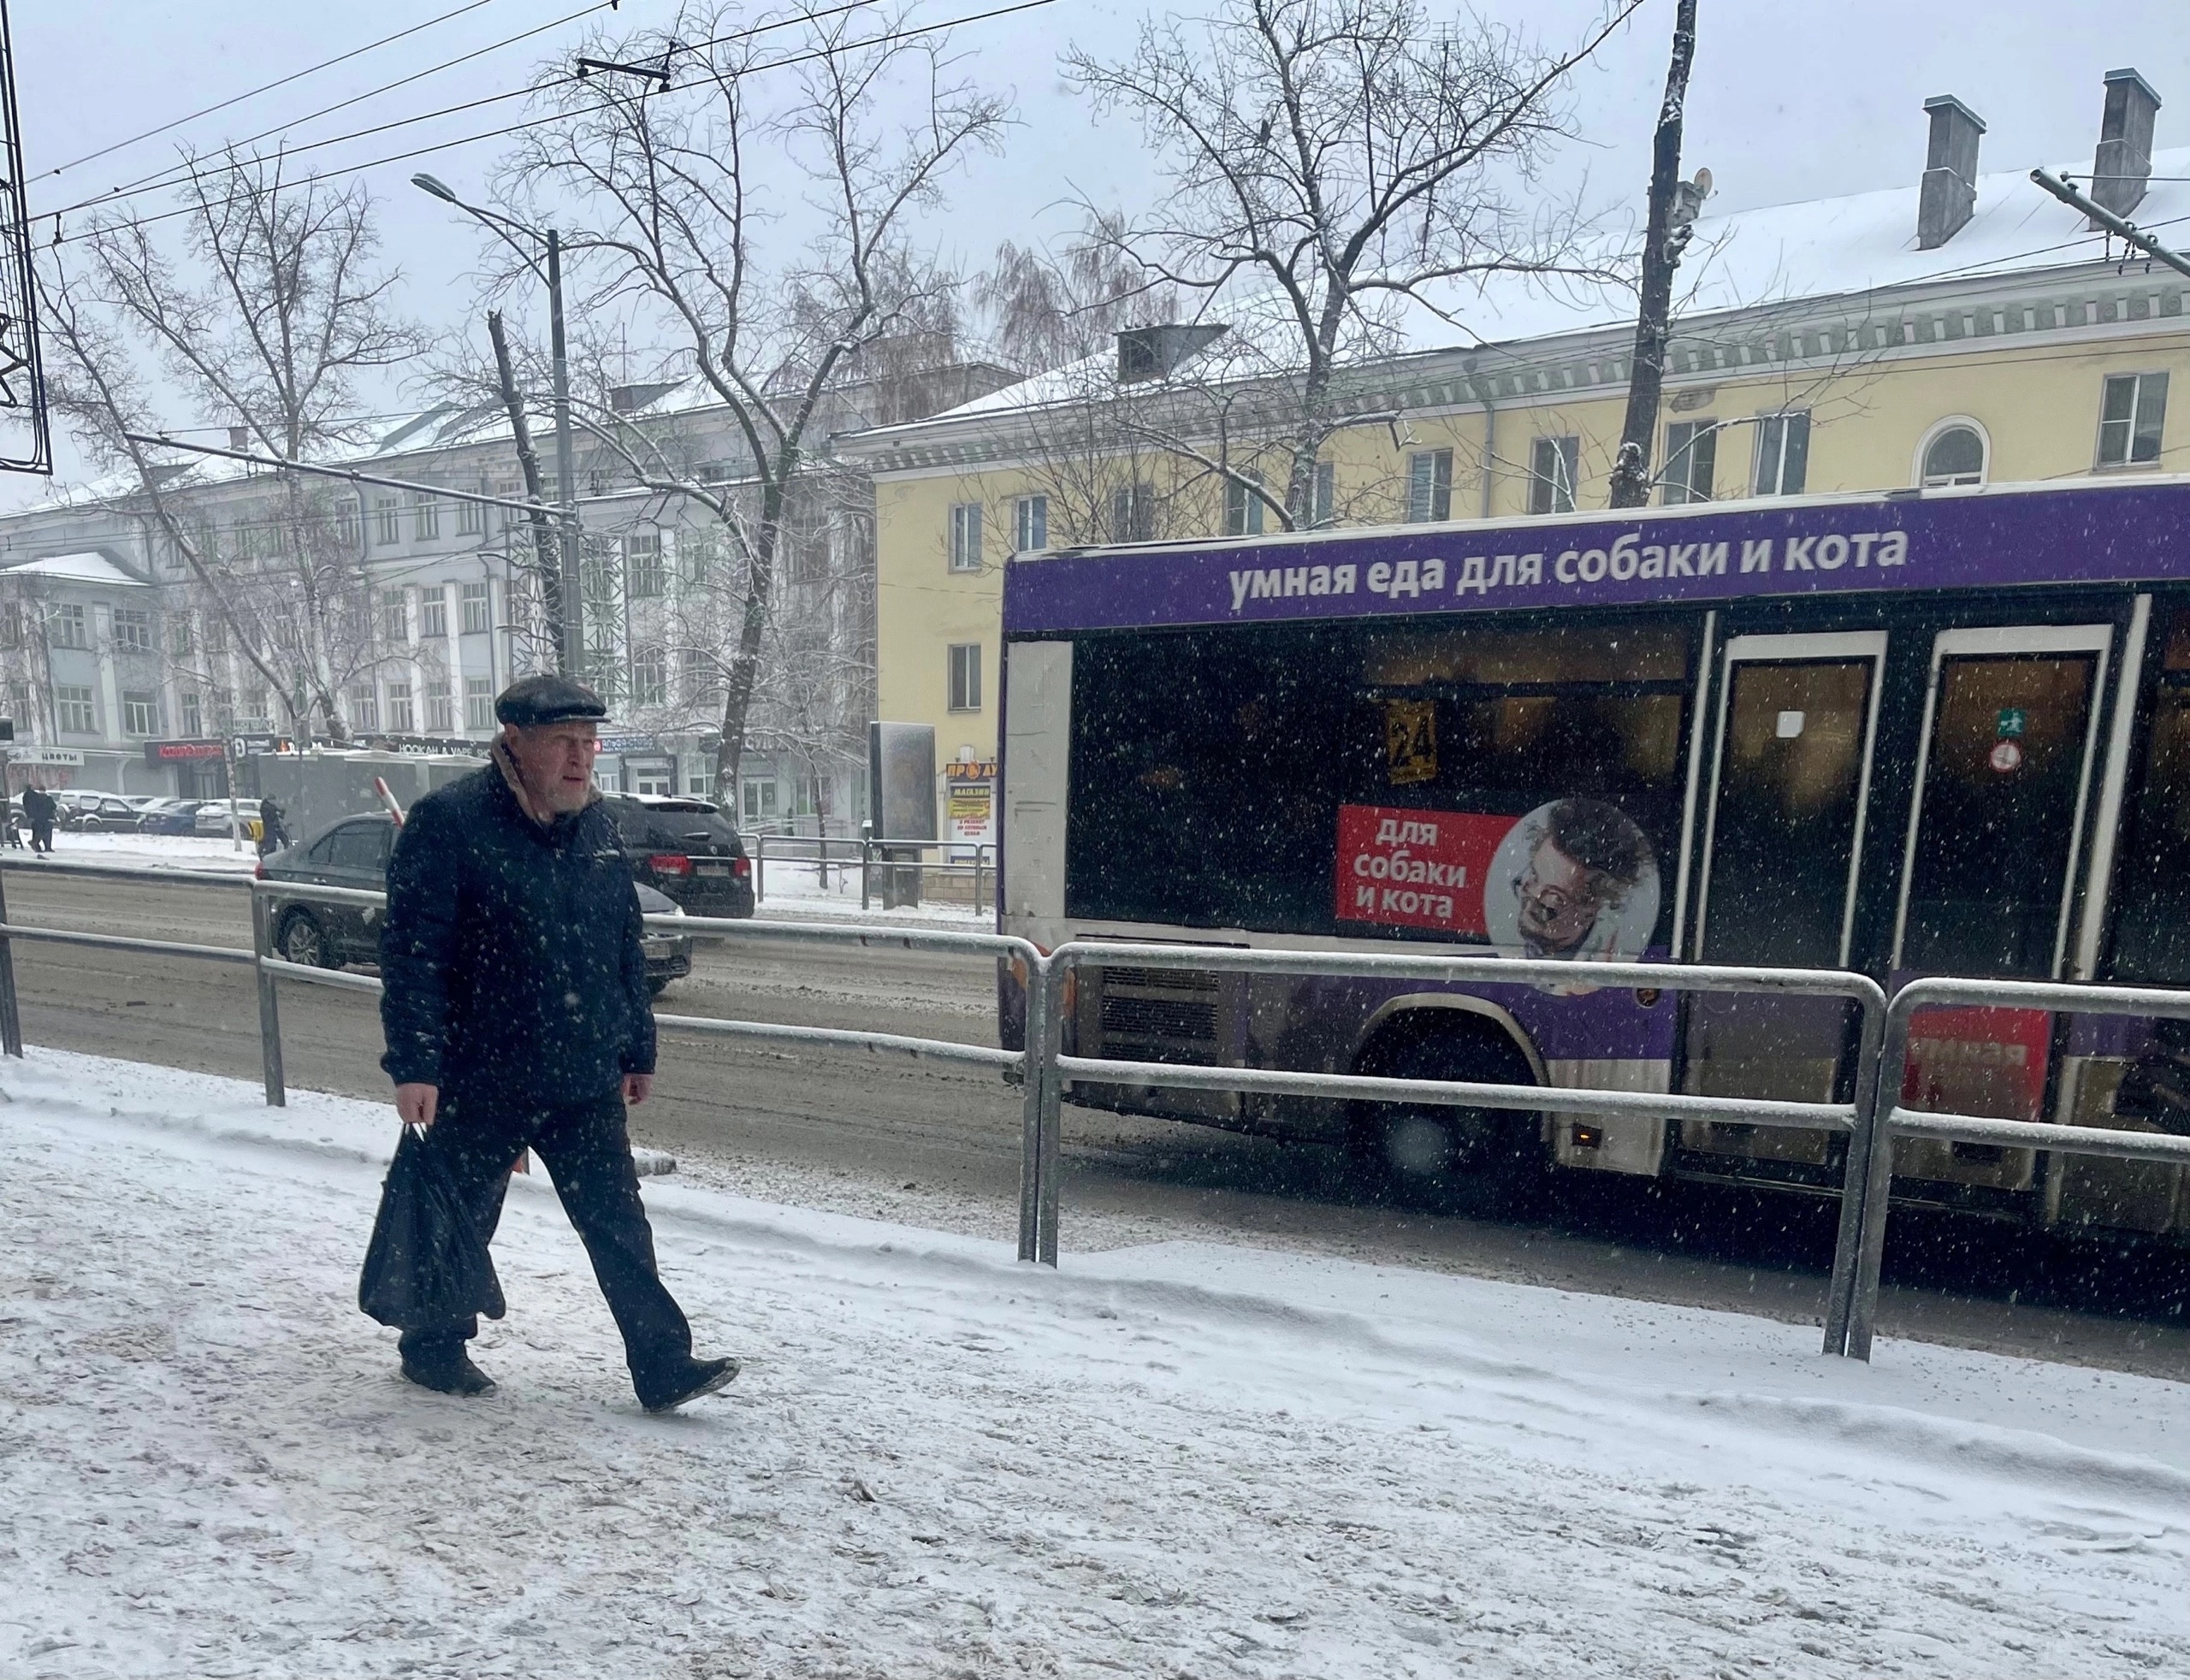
{"points": [[1167, 1461]]}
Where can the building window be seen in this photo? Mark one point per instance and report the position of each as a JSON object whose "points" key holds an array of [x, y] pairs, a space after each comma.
{"points": [[1555, 466], [1691, 461], [1429, 485], [966, 536], [650, 678], [1133, 512], [179, 639], [966, 676], [696, 674], [760, 800], [2132, 412], [1325, 510], [470, 519], [1243, 509], [399, 716], [1782, 454], [257, 712], [68, 626], [388, 520], [478, 609], [697, 554], [441, 711], [364, 710], [349, 523], [433, 614], [73, 711], [426, 517], [140, 712], [478, 702], [1031, 524], [642, 565], [394, 618], [133, 631], [193, 717], [1955, 455]]}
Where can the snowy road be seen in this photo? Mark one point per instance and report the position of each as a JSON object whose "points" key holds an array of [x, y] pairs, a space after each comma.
{"points": [[1182, 1459], [846, 1133]]}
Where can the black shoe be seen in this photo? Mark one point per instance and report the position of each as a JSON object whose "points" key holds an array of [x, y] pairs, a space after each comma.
{"points": [[695, 1378], [448, 1373]]}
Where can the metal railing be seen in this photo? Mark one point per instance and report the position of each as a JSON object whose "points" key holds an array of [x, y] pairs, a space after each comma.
{"points": [[1871, 1121], [1854, 1306], [873, 859]]}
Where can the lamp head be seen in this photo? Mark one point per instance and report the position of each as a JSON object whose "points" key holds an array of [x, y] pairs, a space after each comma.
{"points": [[439, 189]]}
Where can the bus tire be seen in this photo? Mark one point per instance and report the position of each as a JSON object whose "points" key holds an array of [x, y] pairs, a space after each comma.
{"points": [[1488, 1161]]}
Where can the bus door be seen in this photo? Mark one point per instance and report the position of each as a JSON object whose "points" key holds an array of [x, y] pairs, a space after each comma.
{"points": [[2003, 772], [1784, 828]]}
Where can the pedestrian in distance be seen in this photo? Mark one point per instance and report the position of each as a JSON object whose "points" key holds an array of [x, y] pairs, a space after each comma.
{"points": [[39, 809], [273, 832], [515, 1012], [13, 833]]}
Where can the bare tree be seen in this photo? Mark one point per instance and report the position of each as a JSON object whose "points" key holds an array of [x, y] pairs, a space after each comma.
{"points": [[270, 316], [1333, 165], [1045, 312], [757, 216]]}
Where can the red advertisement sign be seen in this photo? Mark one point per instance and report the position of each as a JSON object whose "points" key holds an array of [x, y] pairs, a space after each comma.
{"points": [[1416, 868], [1978, 1062]]}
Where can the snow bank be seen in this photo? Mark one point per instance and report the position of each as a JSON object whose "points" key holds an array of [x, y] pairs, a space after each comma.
{"points": [[1183, 1458], [156, 851]]}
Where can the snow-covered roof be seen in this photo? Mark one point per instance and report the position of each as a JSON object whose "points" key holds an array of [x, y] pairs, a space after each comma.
{"points": [[85, 568], [1764, 258]]}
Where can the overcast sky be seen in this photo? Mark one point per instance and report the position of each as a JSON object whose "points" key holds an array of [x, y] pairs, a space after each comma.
{"points": [[1792, 99]]}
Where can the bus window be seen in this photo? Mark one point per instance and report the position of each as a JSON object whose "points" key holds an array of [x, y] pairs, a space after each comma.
{"points": [[1204, 779], [1475, 655], [2003, 772]]}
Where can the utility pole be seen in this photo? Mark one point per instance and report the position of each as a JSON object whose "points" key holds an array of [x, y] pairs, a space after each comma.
{"points": [[566, 493], [547, 565], [1671, 213]]}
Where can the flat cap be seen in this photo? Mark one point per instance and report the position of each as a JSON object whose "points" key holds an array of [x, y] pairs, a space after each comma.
{"points": [[548, 699]]}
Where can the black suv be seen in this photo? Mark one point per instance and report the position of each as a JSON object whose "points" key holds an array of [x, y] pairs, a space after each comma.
{"points": [[686, 849], [354, 853]]}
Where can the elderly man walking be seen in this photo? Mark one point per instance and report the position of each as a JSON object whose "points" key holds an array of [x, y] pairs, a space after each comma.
{"points": [[515, 1008]]}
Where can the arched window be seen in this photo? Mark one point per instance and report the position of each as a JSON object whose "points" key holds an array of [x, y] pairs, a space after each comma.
{"points": [[1955, 455]]}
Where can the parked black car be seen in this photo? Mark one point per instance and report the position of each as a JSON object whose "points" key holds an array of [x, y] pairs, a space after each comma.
{"points": [[354, 853], [688, 850]]}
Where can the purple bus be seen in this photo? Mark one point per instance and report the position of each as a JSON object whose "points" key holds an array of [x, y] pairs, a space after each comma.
{"points": [[1934, 733]]}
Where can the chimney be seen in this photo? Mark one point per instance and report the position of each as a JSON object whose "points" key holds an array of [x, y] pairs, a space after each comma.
{"points": [[1950, 192], [2124, 162], [1154, 352]]}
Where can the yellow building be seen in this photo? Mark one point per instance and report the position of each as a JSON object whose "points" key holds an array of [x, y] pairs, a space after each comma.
{"points": [[1821, 346]]}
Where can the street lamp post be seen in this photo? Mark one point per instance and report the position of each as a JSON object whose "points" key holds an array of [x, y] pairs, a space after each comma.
{"points": [[570, 639]]}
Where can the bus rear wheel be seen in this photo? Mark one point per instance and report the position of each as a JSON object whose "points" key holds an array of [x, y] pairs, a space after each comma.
{"points": [[1486, 1160]]}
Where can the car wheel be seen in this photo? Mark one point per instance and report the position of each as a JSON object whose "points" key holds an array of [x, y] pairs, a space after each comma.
{"points": [[303, 943], [656, 984]]}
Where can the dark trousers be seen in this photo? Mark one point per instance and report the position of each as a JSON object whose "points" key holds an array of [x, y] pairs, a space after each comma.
{"points": [[589, 1156], [41, 836]]}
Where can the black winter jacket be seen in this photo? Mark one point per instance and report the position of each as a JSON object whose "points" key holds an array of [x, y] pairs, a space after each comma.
{"points": [[512, 960]]}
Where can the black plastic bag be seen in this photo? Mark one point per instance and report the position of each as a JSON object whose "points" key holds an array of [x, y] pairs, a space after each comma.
{"points": [[427, 1263]]}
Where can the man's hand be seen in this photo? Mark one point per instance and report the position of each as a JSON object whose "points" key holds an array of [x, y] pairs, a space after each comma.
{"points": [[415, 1104], [637, 1087]]}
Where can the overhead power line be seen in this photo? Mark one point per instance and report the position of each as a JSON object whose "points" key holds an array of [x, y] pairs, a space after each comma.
{"points": [[61, 238], [172, 175], [263, 87], [177, 175]]}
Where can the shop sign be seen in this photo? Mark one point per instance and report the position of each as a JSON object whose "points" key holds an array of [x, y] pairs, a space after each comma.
{"points": [[157, 753]]}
